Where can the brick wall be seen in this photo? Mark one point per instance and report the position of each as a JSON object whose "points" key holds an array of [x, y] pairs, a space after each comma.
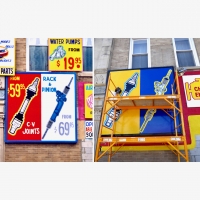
{"points": [[162, 53], [142, 156], [197, 46], [46, 152], [43, 152], [120, 54], [87, 150], [21, 54]]}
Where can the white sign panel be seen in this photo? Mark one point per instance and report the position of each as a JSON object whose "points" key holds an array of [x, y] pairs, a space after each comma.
{"points": [[88, 129], [192, 90], [7, 57], [64, 127]]}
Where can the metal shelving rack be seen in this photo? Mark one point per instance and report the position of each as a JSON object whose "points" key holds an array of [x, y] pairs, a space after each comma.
{"points": [[163, 102]]}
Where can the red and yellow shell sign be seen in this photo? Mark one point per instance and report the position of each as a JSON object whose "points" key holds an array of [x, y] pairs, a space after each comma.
{"points": [[88, 91]]}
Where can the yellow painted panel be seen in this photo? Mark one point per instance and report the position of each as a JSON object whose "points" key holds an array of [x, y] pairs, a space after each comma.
{"points": [[65, 54], [129, 120], [88, 91]]}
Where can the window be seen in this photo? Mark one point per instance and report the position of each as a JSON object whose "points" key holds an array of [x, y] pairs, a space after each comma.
{"points": [[185, 52], [139, 53], [37, 54], [87, 54]]}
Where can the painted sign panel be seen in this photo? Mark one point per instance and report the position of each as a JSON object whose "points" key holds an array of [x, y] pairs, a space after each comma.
{"points": [[65, 54], [88, 93], [7, 57], [192, 90], [189, 98], [89, 129], [141, 82], [41, 108], [81, 100]]}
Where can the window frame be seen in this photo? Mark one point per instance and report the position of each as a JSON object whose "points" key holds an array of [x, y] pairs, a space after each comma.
{"points": [[193, 49], [44, 42], [131, 51], [32, 42]]}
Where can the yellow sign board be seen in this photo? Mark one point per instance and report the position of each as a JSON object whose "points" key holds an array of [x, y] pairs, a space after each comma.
{"points": [[88, 91], [7, 57], [65, 54]]}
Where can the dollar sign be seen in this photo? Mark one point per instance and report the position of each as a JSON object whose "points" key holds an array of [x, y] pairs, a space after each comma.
{"points": [[58, 63]]}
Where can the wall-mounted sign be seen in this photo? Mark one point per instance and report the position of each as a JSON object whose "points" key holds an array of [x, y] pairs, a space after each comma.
{"points": [[41, 108], [88, 129], [88, 93], [141, 82], [7, 57], [65, 54], [192, 90]]}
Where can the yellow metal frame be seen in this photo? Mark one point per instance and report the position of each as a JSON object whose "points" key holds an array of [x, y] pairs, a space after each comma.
{"points": [[148, 102]]}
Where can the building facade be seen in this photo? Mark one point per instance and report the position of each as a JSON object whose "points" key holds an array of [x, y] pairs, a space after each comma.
{"points": [[32, 55], [134, 53]]}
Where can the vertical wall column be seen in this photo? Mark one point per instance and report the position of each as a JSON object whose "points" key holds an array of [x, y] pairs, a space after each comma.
{"points": [[102, 56], [2, 94]]}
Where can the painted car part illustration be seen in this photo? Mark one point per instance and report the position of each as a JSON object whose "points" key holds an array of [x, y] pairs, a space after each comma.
{"points": [[89, 101], [18, 119], [148, 117], [160, 89], [58, 53], [61, 98], [3, 52], [129, 85]]}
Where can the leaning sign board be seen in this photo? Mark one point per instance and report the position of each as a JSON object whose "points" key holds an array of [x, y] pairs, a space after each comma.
{"points": [[7, 57], [65, 54], [41, 108]]}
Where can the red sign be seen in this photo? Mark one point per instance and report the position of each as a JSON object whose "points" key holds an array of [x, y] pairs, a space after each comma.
{"points": [[41, 108], [31, 126], [187, 111]]}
